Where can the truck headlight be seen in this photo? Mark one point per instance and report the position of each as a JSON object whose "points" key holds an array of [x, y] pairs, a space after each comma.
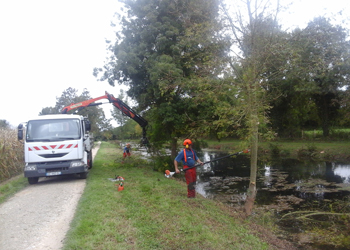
{"points": [[77, 164], [30, 168]]}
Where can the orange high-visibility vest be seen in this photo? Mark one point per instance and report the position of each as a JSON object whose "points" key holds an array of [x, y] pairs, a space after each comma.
{"points": [[194, 157]]}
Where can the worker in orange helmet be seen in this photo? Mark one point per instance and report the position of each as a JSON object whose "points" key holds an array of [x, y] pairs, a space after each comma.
{"points": [[189, 158], [126, 150]]}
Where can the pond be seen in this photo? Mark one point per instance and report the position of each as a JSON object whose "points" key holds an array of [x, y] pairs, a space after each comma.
{"points": [[284, 187], [306, 180]]}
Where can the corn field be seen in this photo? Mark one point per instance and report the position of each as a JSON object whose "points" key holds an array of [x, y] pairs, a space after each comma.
{"points": [[11, 154]]}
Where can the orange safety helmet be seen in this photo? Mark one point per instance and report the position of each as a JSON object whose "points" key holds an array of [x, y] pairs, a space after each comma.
{"points": [[187, 142]]}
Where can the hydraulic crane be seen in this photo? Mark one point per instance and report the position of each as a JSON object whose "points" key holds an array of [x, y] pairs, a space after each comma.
{"points": [[126, 110]]}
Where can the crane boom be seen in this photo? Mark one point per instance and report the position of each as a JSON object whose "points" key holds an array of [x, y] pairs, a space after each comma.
{"points": [[119, 104]]}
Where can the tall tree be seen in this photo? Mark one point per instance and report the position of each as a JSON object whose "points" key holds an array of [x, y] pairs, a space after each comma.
{"points": [[258, 43], [166, 51], [323, 66]]}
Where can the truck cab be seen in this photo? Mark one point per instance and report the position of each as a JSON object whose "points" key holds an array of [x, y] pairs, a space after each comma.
{"points": [[56, 145]]}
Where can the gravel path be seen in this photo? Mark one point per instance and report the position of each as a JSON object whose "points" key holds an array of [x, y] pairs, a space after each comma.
{"points": [[38, 217]]}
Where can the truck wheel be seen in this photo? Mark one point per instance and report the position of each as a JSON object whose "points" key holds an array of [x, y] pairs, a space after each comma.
{"points": [[83, 175], [33, 180], [90, 160]]}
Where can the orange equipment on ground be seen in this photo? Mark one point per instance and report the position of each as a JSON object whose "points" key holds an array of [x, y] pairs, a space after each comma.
{"points": [[121, 186]]}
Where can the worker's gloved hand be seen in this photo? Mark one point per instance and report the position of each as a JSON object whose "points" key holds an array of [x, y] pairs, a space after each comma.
{"points": [[177, 171]]}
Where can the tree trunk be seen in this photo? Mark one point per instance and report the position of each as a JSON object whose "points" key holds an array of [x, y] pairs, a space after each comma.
{"points": [[324, 113], [251, 194], [173, 148]]}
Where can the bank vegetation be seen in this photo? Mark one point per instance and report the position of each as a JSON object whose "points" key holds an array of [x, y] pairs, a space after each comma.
{"points": [[11, 154]]}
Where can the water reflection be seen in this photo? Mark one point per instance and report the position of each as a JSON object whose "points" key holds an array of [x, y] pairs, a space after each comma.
{"points": [[343, 172], [268, 177], [229, 178]]}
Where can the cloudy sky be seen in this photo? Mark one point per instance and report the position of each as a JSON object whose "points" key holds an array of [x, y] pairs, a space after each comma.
{"points": [[47, 46]]}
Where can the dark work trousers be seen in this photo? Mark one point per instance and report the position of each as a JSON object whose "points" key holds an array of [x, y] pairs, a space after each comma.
{"points": [[191, 178]]}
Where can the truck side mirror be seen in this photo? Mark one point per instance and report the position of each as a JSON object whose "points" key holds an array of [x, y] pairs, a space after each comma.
{"points": [[20, 132], [87, 125]]}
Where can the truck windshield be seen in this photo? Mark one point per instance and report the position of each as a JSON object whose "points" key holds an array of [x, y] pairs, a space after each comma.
{"points": [[53, 130]]}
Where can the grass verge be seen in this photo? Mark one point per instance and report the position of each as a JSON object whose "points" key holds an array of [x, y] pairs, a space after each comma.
{"points": [[152, 212], [12, 186]]}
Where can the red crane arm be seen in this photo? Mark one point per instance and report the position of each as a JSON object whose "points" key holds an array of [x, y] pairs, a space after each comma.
{"points": [[83, 104], [119, 104], [127, 110]]}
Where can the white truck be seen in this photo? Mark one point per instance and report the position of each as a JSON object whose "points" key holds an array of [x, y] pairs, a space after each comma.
{"points": [[56, 145], [61, 144]]}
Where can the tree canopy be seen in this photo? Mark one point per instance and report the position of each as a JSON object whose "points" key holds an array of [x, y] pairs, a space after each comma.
{"points": [[166, 52], [323, 67], [174, 56]]}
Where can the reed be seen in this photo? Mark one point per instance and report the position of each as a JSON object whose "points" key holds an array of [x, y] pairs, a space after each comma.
{"points": [[11, 154]]}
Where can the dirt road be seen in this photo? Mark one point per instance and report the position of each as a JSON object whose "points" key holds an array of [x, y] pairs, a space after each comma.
{"points": [[38, 217]]}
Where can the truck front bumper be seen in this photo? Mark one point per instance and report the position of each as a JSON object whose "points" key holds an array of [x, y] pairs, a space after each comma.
{"points": [[48, 169]]}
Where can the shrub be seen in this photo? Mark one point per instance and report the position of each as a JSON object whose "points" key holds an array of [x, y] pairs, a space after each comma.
{"points": [[274, 149], [162, 163], [310, 151]]}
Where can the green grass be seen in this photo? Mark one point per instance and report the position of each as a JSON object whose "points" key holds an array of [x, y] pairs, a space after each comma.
{"points": [[12, 186], [340, 134], [152, 212]]}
